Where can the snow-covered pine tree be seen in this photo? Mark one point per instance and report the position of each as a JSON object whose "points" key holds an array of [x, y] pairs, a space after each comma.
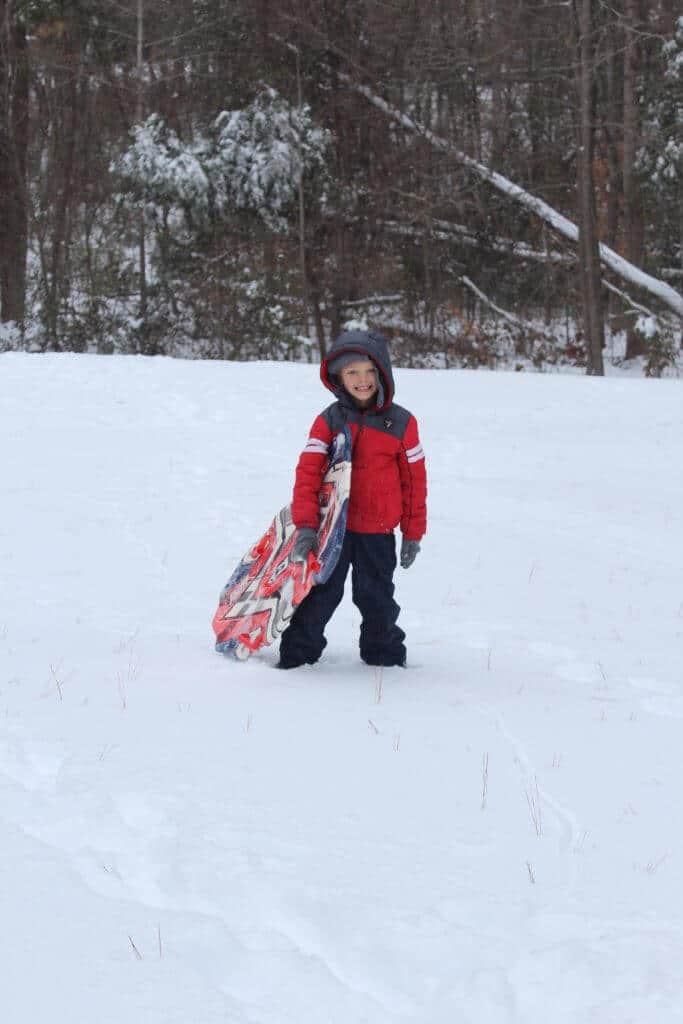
{"points": [[248, 161]]}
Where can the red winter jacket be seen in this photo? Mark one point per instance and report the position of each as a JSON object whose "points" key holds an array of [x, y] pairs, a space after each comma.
{"points": [[388, 478]]}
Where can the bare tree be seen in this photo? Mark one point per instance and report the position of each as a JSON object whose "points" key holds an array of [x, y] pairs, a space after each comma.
{"points": [[139, 111], [633, 212], [589, 257], [14, 95]]}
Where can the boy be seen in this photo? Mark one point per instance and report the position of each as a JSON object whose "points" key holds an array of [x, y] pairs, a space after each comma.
{"points": [[388, 488]]}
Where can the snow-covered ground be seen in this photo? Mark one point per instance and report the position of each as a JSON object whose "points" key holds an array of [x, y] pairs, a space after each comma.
{"points": [[492, 836]]}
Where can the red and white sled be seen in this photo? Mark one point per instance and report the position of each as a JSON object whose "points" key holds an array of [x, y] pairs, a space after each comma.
{"points": [[258, 601]]}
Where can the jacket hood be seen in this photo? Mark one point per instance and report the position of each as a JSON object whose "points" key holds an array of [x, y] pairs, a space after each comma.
{"points": [[373, 346]]}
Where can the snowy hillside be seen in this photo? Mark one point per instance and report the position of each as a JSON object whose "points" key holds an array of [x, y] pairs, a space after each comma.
{"points": [[492, 836]]}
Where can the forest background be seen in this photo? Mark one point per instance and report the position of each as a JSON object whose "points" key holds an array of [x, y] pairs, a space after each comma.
{"points": [[489, 182]]}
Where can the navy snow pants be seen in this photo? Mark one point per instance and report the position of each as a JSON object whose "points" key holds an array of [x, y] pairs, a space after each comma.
{"points": [[372, 558]]}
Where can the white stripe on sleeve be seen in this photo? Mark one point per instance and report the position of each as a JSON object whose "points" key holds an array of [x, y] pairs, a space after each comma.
{"points": [[315, 446], [415, 454]]}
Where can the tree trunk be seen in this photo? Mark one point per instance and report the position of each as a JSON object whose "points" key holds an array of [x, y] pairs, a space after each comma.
{"points": [[589, 258], [314, 296], [610, 123], [142, 248], [69, 97], [302, 212], [498, 122], [14, 83], [633, 211]]}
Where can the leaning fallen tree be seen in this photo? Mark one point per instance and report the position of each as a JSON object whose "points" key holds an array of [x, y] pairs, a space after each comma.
{"points": [[625, 270], [558, 222], [446, 231]]}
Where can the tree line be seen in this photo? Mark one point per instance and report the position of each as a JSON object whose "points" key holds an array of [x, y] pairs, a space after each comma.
{"points": [[487, 181]]}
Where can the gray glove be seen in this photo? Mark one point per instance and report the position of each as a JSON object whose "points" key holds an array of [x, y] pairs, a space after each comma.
{"points": [[409, 550], [305, 542]]}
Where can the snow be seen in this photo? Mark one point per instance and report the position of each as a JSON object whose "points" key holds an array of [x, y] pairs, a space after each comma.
{"points": [[647, 326], [490, 836]]}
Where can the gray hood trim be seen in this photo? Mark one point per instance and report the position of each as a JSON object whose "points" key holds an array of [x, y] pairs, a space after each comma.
{"points": [[366, 343]]}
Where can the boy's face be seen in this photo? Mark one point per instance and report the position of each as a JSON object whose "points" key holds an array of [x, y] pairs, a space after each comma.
{"points": [[359, 378]]}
